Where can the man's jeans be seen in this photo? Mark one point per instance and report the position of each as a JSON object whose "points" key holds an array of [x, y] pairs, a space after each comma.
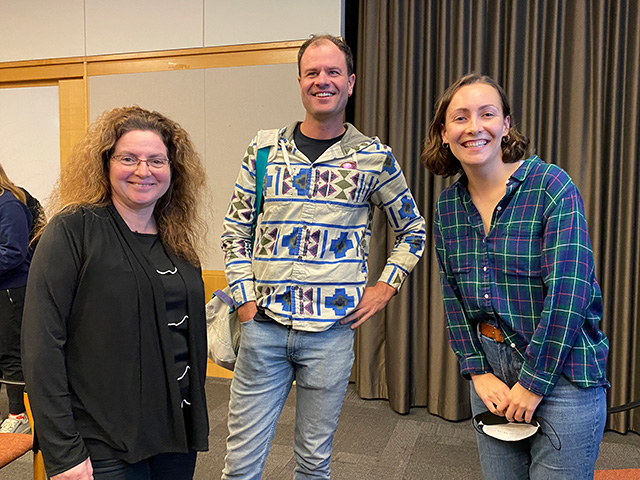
{"points": [[271, 357], [576, 414]]}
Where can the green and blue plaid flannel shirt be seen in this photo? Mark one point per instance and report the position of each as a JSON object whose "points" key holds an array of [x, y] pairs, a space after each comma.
{"points": [[532, 276]]}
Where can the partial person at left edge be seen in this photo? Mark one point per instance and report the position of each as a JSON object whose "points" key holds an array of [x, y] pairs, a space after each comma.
{"points": [[15, 258], [114, 334]]}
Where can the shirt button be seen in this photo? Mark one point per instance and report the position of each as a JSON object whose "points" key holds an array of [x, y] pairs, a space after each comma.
{"points": [[486, 295], [513, 345], [499, 208], [484, 268]]}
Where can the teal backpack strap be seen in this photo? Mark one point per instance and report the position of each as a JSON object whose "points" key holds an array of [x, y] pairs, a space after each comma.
{"points": [[261, 169]]}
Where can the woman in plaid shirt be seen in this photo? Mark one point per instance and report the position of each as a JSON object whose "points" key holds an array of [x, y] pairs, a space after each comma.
{"points": [[520, 294]]}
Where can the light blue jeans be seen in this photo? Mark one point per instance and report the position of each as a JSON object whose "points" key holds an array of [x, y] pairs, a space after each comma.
{"points": [[576, 414], [270, 358]]}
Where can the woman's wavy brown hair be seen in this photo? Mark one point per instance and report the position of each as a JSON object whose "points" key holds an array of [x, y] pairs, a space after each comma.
{"points": [[439, 159], [6, 184], [179, 213]]}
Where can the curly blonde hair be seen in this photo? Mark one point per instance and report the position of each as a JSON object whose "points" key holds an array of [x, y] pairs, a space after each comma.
{"points": [[437, 157], [179, 213]]}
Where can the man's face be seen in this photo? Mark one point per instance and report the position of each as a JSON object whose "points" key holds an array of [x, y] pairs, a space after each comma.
{"points": [[325, 85]]}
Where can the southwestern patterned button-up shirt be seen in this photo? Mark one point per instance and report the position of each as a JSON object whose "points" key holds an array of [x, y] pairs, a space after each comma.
{"points": [[532, 275], [308, 268]]}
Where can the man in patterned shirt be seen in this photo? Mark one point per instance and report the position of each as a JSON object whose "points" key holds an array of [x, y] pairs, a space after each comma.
{"points": [[301, 288]]}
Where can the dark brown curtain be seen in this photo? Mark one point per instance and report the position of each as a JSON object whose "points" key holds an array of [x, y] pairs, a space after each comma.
{"points": [[571, 69]]}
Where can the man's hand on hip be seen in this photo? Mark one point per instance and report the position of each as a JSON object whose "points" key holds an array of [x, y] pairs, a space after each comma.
{"points": [[373, 300]]}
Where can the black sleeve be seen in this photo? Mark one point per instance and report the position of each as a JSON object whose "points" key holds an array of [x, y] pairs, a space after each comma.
{"points": [[51, 288]]}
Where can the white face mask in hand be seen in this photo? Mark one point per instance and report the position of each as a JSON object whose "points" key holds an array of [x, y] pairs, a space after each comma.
{"points": [[500, 428]]}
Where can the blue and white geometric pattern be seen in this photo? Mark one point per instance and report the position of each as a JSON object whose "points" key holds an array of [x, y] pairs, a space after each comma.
{"points": [[341, 245], [284, 299], [301, 181], [292, 241], [407, 209], [310, 263], [340, 302]]}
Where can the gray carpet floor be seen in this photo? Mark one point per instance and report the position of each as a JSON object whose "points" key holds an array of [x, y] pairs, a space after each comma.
{"points": [[372, 443]]}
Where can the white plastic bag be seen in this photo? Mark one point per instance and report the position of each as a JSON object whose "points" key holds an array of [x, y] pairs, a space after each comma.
{"points": [[223, 329]]}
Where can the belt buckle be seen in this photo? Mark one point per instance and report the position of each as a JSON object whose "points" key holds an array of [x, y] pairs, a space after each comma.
{"points": [[491, 332], [496, 334]]}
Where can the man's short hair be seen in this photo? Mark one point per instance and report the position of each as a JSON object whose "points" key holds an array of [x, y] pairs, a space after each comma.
{"points": [[338, 42]]}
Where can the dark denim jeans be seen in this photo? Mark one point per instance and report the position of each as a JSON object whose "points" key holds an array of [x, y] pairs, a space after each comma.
{"points": [[11, 306], [165, 466]]}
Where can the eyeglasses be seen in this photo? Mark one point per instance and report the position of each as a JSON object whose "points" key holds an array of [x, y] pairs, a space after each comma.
{"points": [[128, 160]]}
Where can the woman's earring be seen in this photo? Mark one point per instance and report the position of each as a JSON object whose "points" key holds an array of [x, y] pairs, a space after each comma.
{"points": [[445, 145]]}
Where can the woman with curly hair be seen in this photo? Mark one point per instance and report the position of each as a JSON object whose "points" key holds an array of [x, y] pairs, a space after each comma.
{"points": [[114, 334], [521, 298]]}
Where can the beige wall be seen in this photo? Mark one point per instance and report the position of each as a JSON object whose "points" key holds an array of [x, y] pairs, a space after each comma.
{"points": [[30, 138], [38, 29], [256, 21], [77, 58], [31, 29]]}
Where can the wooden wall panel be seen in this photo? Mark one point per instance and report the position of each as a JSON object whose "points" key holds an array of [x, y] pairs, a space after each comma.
{"points": [[73, 114]]}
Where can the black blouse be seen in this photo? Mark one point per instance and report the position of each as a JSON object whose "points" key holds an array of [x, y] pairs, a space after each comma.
{"points": [[176, 302]]}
